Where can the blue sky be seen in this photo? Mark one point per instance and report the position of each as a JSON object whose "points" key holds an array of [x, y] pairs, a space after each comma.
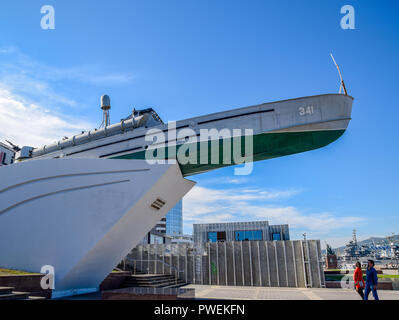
{"points": [[187, 58]]}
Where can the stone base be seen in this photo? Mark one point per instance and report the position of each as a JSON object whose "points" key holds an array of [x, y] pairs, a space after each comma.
{"points": [[331, 261], [137, 293], [114, 280], [27, 283]]}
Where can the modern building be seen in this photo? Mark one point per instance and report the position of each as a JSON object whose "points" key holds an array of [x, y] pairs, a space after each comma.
{"points": [[154, 237], [184, 238], [7, 155], [240, 231], [169, 227], [160, 227], [174, 220]]}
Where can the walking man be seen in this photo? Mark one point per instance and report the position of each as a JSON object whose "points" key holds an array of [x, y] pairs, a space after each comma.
{"points": [[371, 281]]}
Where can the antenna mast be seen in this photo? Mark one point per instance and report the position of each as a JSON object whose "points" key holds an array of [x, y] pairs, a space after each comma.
{"points": [[354, 236], [340, 76], [105, 106]]}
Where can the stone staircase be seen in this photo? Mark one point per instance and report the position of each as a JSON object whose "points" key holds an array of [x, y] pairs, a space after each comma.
{"points": [[136, 271], [8, 293], [153, 281]]}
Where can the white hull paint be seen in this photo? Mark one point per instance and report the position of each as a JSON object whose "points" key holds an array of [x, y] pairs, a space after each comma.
{"points": [[81, 216]]}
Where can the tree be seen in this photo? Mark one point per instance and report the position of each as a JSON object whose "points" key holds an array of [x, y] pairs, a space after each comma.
{"points": [[330, 250]]}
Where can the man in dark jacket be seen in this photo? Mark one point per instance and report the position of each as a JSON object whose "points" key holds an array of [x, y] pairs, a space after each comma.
{"points": [[371, 281]]}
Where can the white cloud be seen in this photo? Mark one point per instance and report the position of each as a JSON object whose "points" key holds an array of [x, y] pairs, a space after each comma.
{"points": [[207, 205], [317, 223], [27, 123], [335, 242], [20, 63], [226, 180], [201, 194], [34, 89], [35, 100]]}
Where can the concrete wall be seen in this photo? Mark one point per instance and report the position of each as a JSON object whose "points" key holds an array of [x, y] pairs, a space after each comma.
{"points": [[245, 263]]}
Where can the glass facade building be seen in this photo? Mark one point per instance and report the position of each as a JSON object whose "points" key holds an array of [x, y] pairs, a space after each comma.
{"points": [[276, 236], [170, 226], [248, 235], [174, 220], [240, 231]]}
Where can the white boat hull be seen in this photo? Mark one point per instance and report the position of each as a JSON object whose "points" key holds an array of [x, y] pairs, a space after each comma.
{"points": [[81, 216]]}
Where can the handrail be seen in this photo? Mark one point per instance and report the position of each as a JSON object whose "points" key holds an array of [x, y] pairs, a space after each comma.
{"points": [[177, 271]]}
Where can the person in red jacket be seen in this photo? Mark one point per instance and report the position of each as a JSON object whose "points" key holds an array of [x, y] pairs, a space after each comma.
{"points": [[358, 279]]}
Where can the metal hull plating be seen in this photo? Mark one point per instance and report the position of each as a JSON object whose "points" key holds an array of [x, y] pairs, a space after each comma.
{"points": [[266, 146], [279, 128]]}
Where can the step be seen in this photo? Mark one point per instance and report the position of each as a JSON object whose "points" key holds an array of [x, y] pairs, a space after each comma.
{"points": [[178, 285], [153, 285], [36, 298], [150, 286], [150, 282], [169, 284], [149, 279], [6, 290], [151, 276], [153, 281], [15, 295]]}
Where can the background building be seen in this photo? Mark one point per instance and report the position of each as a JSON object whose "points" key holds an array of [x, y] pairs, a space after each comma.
{"points": [[169, 227], [160, 227], [154, 237], [174, 220], [240, 231], [184, 238]]}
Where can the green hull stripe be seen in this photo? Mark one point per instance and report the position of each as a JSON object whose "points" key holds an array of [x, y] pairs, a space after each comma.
{"points": [[265, 146]]}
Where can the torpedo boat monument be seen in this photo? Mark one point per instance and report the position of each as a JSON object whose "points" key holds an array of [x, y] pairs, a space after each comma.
{"points": [[81, 204]]}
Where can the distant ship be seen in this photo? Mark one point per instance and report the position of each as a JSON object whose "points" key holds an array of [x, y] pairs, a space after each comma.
{"points": [[384, 252], [77, 205]]}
